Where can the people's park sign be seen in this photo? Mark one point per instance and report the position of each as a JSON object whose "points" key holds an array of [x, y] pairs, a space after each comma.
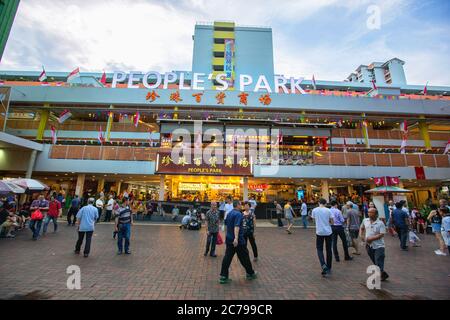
{"points": [[197, 82]]}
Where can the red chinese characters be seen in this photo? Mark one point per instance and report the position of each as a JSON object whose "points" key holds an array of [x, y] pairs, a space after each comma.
{"points": [[265, 99], [243, 98], [175, 96], [152, 96]]}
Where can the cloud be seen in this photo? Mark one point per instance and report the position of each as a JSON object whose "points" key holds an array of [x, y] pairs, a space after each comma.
{"points": [[328, 38]]}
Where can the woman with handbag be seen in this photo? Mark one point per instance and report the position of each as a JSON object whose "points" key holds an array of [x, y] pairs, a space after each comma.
{"points": [[38, 208]]}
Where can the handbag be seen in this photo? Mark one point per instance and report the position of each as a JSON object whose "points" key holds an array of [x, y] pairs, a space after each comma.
{"points": [[37, 215], [219, 239]]}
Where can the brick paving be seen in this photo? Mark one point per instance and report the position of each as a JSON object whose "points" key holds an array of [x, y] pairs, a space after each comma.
{"points": [[167, 263]]}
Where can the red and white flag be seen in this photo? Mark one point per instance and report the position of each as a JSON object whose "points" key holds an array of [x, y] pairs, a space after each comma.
{"points": [[136, 119], [404, 126], [66, 114], [59, 83], [393, 180], [54, 138], [374, 86], [339, 123], [101, 138], [43, 75], [345, 145], [425, 89], [314, 83], [45, 84], [280, 137], [379, 181], [75, 73], [447, 147], [403, 145], [103, 79]]}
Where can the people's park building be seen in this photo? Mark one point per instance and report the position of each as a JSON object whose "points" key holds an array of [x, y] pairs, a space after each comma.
{"points": [[162, 132]]}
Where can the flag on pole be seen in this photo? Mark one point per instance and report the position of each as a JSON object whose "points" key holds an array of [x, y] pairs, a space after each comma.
{"points": [[75, 73], [345, 145], [54, 138], [101, 138], [447, 147], [425, 89], [66, 114], [103, 79], [374, 86], [280, 137], [404, 130], [314, 83], [136, 119], [339, 123], [43, 75]]}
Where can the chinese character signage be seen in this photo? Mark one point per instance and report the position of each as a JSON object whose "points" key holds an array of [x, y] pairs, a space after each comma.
{"points": [[230, 166], [228, 61]]}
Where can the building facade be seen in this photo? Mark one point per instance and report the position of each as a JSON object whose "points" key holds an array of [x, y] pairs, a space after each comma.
{"points": [[320, 139]]}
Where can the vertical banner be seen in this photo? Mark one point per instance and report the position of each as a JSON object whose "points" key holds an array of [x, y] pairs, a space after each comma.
{"points": [[228, 66], [420, 173]]}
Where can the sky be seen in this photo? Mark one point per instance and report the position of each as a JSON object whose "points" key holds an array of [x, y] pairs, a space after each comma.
{"points": [[325, 38]]}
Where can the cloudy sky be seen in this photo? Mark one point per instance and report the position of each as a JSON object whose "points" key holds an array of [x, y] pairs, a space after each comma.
{"points": [[327, 38]]}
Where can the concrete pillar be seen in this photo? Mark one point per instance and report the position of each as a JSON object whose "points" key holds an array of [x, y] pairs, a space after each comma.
{"points": [[101, 185], [400, 184], [423, 128], [309, 193], [119, 185], [161, 187], [245, 189], [31, 163], [325, 190], [80, 185], [42, 123]]}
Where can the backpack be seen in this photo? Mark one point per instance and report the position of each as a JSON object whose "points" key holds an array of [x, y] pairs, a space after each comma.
{"points": [[37, 215]]}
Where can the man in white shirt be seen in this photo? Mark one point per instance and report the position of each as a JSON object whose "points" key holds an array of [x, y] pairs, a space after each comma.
{"points": [[228, 207], [109, 209], [253, 204], [372, 231], [304, 213], [324, 219], [99, 205]]}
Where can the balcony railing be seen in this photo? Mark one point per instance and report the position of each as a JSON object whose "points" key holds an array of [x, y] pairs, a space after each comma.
{"points": [[103, 153], [381, 159], [322, 158]]}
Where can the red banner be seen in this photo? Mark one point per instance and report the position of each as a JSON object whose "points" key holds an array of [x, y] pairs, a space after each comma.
{"points": [[420, 173]]}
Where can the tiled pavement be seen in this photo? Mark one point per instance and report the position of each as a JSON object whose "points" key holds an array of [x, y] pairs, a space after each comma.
{"points": [[167, 263]]}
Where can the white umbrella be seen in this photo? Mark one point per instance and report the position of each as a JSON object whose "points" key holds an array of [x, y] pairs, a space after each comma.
{"points": [[30, 184], [9, 187]]}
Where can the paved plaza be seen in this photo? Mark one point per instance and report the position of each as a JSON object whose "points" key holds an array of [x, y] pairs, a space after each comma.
{"points": [[167, 263]]}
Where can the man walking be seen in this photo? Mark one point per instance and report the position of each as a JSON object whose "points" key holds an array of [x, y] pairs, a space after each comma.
{"points": [[35, 224], [323, 218], [373, 231], [304, 213], [279, 211], [109, 208], [124, 221], [86, 218], [212, 221], [400, 220], [235, 244], [73, 210], [353, 224], [99, 204], [338, 230], [253, 204], [54, 211]]}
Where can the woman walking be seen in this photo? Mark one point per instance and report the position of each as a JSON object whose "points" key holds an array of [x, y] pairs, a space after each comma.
{"points": [[249, 224], [436, 221], [289, 215]]}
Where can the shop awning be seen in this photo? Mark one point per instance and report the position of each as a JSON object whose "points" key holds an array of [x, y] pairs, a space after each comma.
{"points": [[388, 189]]}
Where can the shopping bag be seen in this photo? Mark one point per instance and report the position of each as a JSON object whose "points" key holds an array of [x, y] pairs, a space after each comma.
{"points": [[37, 215], [219, 239], [413, 238], [348, 237]]}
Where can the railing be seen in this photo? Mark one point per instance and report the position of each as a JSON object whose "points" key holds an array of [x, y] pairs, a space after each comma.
{"points": [[381, 159], [102, 153], [322, 158]]}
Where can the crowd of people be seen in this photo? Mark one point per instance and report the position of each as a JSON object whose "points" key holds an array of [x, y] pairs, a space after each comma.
{"points": [[352, 224]]}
